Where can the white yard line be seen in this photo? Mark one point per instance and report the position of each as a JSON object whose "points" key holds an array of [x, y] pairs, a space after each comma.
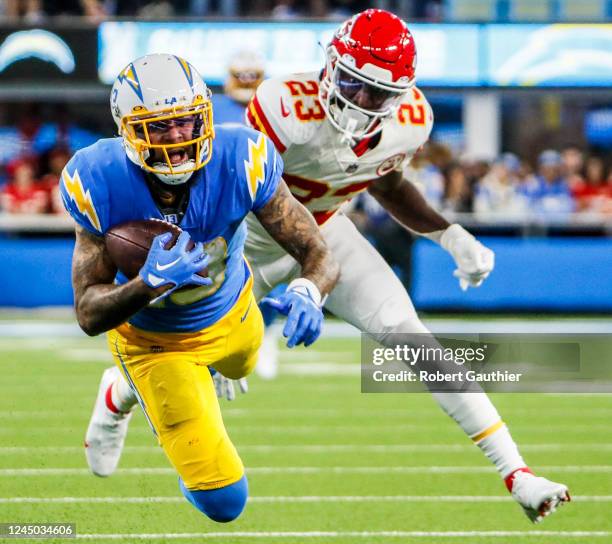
{"points": [[321, 368], [291, 499], [277, 416], [40, 329], [324, 448], [336, 329], [346, 534], [555, 428], [591, 469], [85, 355]]}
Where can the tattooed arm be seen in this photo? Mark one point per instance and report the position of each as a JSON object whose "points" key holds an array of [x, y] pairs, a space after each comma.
{"points": [[404, 202], [294, 228], [100, 305]]}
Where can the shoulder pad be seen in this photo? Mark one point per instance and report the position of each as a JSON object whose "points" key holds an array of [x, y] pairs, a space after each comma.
{"points": [[415, 113], [85, 198], [257, 164], [287, 110]]}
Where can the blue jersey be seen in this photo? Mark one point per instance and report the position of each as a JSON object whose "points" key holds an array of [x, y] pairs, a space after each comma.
{"points": [[227, 110], [102, 188]]}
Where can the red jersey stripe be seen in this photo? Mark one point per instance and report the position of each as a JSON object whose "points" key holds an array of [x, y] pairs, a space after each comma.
{"points": [[268, 130]]}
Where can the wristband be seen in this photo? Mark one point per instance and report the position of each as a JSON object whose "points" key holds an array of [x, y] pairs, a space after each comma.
{"points": [[452, 234], [308, 288]]}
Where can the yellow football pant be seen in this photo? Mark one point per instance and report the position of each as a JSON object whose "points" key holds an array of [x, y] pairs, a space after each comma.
{"points": [[169, 372]]}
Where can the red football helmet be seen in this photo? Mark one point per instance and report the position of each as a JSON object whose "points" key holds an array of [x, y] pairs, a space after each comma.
{"points": [[370, 65]]}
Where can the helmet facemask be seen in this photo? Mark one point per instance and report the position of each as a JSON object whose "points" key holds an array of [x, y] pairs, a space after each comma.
{"points": [[343, 85], [172, 162]]}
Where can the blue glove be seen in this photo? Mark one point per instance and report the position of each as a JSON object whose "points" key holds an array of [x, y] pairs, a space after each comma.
{"points": [[176, 265], [304, 316]]}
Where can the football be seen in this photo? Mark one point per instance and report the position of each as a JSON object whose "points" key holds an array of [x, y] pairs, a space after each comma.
{"points": [[128, 243]]}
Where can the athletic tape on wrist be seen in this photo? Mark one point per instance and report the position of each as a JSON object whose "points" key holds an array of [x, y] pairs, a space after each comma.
{"points": [[304, 284]]}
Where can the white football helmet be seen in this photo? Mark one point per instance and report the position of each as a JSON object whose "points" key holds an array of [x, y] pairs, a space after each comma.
{"points": [[153, 93]]}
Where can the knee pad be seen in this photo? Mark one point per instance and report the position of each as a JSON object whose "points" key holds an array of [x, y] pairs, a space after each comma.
{"points": [[221, 505]]}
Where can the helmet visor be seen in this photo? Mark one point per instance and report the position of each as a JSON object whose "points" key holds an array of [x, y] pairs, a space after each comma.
{"points": [[364, 95]]}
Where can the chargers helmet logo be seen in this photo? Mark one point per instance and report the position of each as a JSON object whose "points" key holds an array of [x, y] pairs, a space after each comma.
{"points": [[40, 44]]}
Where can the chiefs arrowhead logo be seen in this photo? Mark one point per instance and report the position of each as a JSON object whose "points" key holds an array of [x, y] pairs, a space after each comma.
{"points": [[284, 111], [390, 164]]}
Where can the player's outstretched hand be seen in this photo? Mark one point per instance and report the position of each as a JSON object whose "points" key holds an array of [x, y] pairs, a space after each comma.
{"points": [[301, 304], [176, 266], [474, 260], [224, 387]]}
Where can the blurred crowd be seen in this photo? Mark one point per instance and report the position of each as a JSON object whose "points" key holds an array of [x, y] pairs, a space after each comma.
{"points": [[35, 146], [33, 153], [35, 11], [558, 184], [508, 190]]}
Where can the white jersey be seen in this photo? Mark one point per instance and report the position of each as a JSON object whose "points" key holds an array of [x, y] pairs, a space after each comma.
{"points": [[322, 170]]}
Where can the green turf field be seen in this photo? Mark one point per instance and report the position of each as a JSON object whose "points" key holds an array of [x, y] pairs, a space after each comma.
{"points": [[325, 462]]}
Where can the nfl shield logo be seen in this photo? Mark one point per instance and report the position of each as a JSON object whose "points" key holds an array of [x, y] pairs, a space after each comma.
{"points": [[352, 168]]}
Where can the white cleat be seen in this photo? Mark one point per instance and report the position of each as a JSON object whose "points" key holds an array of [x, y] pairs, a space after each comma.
{"points": [[107, 430], [538, 496], [267, 361]]}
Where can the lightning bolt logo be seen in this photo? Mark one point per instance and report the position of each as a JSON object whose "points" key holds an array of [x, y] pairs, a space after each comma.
{"points": [[255, 166], [82, 199], [131, 78], [186, 68]]}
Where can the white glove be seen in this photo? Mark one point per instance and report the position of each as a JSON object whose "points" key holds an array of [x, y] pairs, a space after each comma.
{"points": [[474, 261], [225, 387]]}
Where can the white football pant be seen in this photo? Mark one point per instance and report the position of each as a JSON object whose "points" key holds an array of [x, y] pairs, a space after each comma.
{"points": [[369, 296]]}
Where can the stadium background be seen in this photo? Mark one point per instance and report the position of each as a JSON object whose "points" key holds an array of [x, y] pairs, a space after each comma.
{"points": [[520, 91]]}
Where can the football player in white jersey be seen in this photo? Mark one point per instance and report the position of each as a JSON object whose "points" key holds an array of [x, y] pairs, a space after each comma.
{"points": [[351, 128]]}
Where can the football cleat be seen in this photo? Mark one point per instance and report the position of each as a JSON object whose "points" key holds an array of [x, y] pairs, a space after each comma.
{"points": [[538, 496], [267, 361], [106, 431]]}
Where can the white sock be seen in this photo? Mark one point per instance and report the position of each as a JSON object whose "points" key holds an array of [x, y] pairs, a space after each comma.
{"points": [[122, 395], [479, 419]]}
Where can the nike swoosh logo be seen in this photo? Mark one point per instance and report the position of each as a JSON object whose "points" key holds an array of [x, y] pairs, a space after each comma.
{"points": [[284, 111], [162, 267], [246, 313]]}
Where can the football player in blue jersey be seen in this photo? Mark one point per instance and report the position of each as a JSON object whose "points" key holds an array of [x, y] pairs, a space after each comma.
{"points": [[245, 73], [169, 163]]}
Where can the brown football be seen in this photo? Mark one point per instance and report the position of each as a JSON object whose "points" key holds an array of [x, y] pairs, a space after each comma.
{"points": [[128, 243]]}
